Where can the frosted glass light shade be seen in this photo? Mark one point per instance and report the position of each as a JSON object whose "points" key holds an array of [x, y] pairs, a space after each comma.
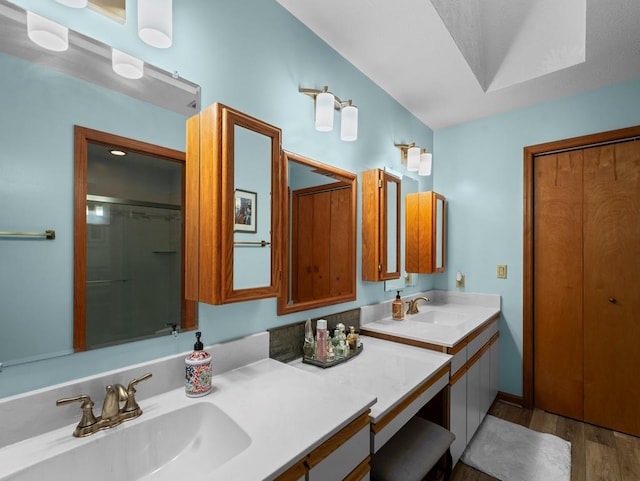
{"points": [[349, 123], [47, 33], [73, 3], [126, 65], [324, 111], [155, 22], [413, 159], [426, 159]]}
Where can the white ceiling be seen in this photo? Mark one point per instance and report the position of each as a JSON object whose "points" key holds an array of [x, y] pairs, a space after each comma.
{"points": [[516, 52]]}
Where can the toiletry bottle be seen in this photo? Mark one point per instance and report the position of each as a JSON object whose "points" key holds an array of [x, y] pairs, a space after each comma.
{"points": [[352, 338], [309, 345], [198, 370], [321, 340], [397, 308]]}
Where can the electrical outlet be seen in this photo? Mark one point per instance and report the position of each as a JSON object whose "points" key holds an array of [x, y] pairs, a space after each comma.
{"points": [[502, 271]]}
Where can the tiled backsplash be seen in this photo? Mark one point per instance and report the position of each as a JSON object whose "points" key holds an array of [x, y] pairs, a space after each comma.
{"points": [[285, 343]]}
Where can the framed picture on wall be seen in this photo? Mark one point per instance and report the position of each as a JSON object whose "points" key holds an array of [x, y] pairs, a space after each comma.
{"points": [[246, 211]]}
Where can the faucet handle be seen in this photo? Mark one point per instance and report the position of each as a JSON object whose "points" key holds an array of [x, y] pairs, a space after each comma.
{"points": [[132, 405], [88, 419]]}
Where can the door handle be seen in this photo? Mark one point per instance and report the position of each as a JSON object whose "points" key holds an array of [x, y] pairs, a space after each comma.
{"points": [[612, 300]]}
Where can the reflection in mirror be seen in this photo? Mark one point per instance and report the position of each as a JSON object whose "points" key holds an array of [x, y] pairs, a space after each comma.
{"points": [[408, 185], [319, 225], [252, 224], [44, 95], [128, 241]]}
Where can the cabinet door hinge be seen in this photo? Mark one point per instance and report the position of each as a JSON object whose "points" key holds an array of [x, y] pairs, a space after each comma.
{"points": [[379, 183], [379, 267]]}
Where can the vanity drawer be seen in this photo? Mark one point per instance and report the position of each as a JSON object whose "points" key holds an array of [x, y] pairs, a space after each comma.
{"points": [[340, 455], [482, 338]]}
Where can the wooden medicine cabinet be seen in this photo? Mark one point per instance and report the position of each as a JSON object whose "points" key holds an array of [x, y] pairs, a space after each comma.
{"points": [[233, 199], [426, 232], [380, 226]]}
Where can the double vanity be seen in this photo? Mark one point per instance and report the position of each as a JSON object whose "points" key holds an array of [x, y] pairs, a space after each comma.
{"points": [[265, 419]]}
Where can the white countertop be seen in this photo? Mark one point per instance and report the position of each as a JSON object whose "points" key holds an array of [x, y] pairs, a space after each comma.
{"points": [[458, 321], [387, 370], [286, 413]]}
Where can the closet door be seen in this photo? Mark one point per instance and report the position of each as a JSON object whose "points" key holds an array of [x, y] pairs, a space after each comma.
{"points": [[612, 286], [558, 335]]}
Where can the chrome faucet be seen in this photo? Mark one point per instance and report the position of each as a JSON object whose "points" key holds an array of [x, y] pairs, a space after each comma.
{"points": [[413, 304], [119, 405]]}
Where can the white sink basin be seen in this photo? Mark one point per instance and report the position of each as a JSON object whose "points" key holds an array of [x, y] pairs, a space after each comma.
{"points": [[442, 318], [180, 444]]}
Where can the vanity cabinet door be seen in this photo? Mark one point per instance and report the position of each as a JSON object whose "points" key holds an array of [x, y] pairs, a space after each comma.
{"points": [[380, 226], [425, 237], [473, 399], [458, 415]]}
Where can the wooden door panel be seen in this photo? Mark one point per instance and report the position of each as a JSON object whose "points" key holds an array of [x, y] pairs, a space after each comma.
{"points": [[558, 338], [340, 246], [612, 286]]}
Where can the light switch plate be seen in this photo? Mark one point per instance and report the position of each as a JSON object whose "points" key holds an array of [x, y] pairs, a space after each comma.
{"points": [[502, 271]]}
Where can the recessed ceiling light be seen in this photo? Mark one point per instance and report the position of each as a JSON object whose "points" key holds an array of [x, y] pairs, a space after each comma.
{"points": [[119, 153]]}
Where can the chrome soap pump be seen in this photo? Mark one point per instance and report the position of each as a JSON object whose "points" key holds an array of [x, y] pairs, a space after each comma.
{"points": [[198, 370]]}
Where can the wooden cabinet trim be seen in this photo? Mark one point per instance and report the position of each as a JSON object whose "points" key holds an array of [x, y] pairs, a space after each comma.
{"points": [[294, 473], [387, 418], [337, 440], [360, 471], [403, 340]]}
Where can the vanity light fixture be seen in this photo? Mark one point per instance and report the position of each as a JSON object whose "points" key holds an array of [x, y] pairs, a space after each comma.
{"points": [[126, 65], [426, 159], [47, 33], [74, 3], [349, 122], [325, 103], [155, 22], [415, 159]]}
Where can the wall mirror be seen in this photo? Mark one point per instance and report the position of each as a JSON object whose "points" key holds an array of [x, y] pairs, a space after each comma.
{"points": [[319, 232], [239, 227], [128, 247], [408, 185], [45, 95]]}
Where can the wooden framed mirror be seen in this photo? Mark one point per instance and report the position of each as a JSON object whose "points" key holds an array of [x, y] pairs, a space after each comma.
{"points": [[319, 235], [236, 205], [381, 202]]}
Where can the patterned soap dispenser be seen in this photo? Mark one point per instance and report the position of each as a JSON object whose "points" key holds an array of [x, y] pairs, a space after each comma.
{"points": [[198, 370]]}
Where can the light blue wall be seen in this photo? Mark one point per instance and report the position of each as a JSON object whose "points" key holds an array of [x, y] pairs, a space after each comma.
{"points": [[38, 110], [251, 55], [478, 166]]}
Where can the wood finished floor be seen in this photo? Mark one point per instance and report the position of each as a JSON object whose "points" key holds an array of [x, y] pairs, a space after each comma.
{"points": [[597, 454]]}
